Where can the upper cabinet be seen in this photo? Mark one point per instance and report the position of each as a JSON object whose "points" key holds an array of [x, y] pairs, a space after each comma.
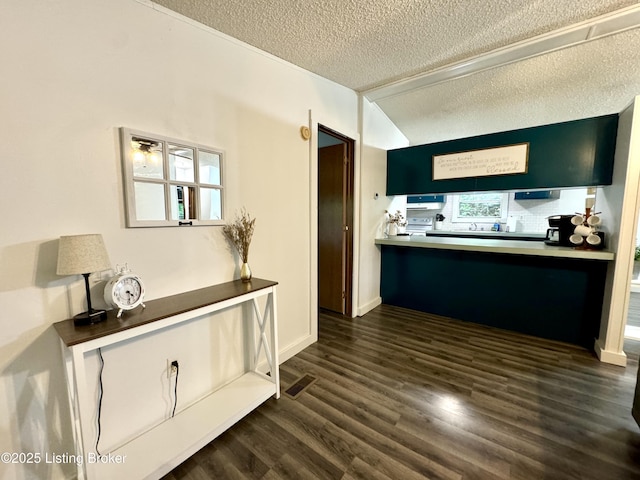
{"points": [[425, 199], [569, 154], [537, 195]]}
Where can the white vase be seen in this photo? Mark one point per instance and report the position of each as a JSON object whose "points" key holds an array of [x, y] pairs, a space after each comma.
{"points": [[393, 229], [438, 225]]}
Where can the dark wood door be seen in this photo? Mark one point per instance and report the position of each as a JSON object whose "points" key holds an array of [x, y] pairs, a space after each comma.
{"points": [[332, 227]]}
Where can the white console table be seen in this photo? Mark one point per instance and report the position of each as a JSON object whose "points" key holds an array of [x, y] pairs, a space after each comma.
{"points": [[150, 455]]}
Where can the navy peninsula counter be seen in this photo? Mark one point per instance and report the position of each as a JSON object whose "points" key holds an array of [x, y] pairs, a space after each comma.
{"points": [[524, 286]]}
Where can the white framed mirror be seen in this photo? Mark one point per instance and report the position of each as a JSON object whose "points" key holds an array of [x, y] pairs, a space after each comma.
{"points": [[170, 182]]}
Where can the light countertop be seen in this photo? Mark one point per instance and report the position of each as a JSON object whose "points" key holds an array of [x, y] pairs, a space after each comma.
{"points": [[515, 247]]}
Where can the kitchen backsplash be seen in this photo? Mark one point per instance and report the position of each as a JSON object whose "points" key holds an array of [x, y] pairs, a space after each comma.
{"points": [[531, 215]]}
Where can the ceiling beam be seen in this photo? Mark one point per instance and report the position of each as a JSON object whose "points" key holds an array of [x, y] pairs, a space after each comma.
{"points": [[596, 28]]}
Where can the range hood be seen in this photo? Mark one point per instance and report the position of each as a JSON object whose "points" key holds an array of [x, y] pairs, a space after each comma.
{"points": [[425, 206]]}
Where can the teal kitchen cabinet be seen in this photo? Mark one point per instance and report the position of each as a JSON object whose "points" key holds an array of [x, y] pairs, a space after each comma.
{"points": [[570, 154], [425, 199], [538, 195]]}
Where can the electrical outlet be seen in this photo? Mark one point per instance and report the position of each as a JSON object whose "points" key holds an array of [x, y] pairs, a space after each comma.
{"points": [[172, 368]]}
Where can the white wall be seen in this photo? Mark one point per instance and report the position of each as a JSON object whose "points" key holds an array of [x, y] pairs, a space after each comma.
{"points": [[75, 71], [620, 202], [379, 135]]}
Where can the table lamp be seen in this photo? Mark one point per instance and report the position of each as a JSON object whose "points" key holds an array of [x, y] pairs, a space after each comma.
{"points": [[83, 255]]}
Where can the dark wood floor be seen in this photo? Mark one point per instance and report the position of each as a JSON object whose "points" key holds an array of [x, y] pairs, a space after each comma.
{"points": [[406, 395]]}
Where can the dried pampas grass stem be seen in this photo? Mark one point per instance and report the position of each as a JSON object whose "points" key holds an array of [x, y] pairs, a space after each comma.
{"points": [[239, 233]]}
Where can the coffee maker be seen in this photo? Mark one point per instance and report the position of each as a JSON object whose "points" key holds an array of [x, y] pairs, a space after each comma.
{"points": [[559, 231]]}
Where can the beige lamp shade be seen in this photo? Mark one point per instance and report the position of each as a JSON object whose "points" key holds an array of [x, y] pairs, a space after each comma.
{"points": [[78, 254]]}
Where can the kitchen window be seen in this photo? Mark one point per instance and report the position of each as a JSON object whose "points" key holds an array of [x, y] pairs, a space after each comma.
{"points": [[480, 207]]}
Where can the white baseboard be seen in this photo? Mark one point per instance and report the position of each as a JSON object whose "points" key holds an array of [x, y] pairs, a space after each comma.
{"points": [[635, 287], [369, 306], [295, 348], [608, 356]]}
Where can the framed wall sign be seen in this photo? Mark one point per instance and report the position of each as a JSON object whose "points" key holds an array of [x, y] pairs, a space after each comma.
{"points": [[508, 160]]}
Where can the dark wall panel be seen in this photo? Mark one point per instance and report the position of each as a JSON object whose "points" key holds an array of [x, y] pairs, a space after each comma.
{"points": [[549, 297], [570, 154]]}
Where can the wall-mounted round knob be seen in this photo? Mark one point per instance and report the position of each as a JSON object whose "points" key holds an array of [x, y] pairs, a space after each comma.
{"points": [[305, 132]]}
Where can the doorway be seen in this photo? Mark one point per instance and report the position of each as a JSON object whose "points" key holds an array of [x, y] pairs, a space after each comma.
{"points": [[632, 328], [335, 221]]}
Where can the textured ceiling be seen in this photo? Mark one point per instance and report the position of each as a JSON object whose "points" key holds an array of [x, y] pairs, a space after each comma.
{"points": [[596, 78], [367, 44]]}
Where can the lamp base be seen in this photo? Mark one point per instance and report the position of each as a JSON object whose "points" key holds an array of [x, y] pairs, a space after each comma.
{"points": [[90, 317]]}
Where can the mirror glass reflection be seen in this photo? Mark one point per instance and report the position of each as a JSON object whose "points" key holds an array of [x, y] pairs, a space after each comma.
{"points": [[209, 167], [150, 204], [183, 203], [147, 157], [181, 166], [210, 203]]}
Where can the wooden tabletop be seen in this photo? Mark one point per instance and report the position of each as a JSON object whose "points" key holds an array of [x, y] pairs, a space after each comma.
{"points": [[157, 310]]}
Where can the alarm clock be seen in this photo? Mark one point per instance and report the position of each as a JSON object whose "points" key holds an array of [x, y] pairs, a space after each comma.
{"points": [[124, 291]]}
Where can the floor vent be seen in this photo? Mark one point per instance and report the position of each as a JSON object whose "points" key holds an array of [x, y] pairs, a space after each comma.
{"points": [[300, 385]]}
